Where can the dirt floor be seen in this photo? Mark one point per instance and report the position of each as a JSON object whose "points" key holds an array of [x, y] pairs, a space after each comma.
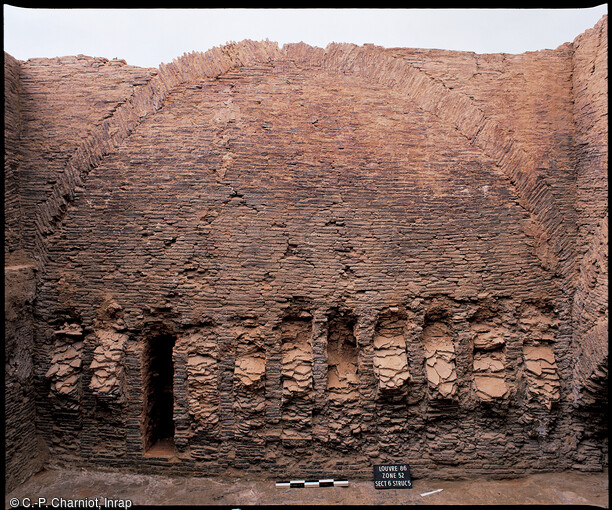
{"points": [[567, 488]]}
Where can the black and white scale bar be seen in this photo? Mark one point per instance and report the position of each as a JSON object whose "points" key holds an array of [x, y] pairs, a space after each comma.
{"points": [[298, 484]]}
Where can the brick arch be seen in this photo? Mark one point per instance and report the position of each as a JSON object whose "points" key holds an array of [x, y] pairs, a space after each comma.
{"points": [[135, 109], [452, 108], [459, 111]]}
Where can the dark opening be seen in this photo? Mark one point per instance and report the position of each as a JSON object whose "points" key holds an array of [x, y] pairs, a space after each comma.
{"points": [[159, 397]]}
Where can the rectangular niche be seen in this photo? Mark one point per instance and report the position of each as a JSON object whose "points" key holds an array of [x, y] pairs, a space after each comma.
{"points": [[490, 361], [440, 367], [390, 360], [342, 358], [344, 410], [158, 408], [296, 377], [249, 382], [542, 377], [202, 367]]}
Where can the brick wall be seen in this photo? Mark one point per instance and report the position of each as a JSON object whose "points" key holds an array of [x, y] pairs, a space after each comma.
{"points": [[362, 255], [12, 157], [25, 451], [590, 306]]}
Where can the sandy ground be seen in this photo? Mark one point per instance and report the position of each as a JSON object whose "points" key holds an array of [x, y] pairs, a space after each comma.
{"points": [[567, 488]]}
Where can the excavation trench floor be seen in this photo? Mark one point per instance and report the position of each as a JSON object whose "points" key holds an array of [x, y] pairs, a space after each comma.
{"points": [[566, 488]]}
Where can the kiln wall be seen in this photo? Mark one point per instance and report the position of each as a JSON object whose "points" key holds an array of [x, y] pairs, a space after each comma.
{"points": [[12, 132], [360, 255], [590, 307], [24, 454]]}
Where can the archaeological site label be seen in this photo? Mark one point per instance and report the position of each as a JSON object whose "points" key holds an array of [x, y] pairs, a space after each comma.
{"points": [[392, 476]]}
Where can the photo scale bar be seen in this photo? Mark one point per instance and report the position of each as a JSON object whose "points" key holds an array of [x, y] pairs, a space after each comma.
{"points": [[298, 484]]}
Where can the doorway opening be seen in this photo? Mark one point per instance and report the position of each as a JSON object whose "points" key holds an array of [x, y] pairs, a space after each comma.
{"points": [[159, 396]]}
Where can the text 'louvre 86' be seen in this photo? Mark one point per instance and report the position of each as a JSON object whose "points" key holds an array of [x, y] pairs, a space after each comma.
{"points": [[303, 262]]}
